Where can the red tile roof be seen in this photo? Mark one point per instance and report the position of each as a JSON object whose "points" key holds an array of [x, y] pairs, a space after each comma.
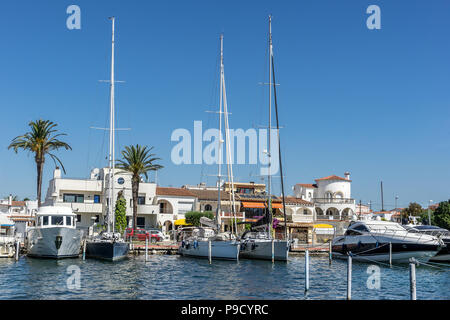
{"points": [[294, 200], [179, 192], [333, 177], [18, 203], [307, 185]]}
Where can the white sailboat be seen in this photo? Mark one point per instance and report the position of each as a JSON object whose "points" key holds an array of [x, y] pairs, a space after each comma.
{"points": [[109, 245], [260, 242], [210, 242]]}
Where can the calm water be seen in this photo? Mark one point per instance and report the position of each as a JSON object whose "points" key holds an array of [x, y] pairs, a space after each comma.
{"points": [[175, 277]]}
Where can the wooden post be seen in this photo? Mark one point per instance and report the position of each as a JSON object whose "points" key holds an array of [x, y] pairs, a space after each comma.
{"points": [[306, 270], [209, 252], [273, 251], [330, 252], [146, 249], [17, 250], [84, 249], [390, 254], [349, 277], [412, 278]]}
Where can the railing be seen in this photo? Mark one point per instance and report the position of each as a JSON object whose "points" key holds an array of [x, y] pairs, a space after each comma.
{"points": [[147, 209], [334, 200], [302, 218], [333, 217]]}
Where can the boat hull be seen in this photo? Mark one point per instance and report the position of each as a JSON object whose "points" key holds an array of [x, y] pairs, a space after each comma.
{"points": [[107, 250], [222, 250], [401, 252], [7, 247], [262, 249], [53, 243]]}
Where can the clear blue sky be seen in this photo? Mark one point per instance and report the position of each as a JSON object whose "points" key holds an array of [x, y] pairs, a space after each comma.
{"points": [[373, 102]]}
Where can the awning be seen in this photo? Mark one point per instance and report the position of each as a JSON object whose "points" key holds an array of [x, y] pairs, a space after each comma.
{"points": [[277, 206], [5, 221], [253, 205], [323, 225], [182, 222]]}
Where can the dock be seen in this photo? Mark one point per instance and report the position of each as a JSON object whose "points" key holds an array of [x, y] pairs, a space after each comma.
{"points": [[138, 247]]}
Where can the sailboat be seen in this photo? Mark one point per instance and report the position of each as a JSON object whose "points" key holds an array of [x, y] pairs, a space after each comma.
{"points": [[208, 241], [260, 242], [109, 245]]}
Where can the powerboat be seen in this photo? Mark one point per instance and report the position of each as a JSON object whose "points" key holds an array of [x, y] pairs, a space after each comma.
{"points": [[7, 238], [54, 234], [107, 246], [196, 242], [259, 245], [374, 240], [444, 234]]}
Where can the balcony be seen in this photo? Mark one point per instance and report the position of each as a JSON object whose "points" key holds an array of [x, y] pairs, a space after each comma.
{"points": [[302, 218], [334, 200], [147, 209], [81, 207], [333, 217]]}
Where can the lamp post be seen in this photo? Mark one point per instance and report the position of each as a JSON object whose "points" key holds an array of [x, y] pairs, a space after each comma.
{"points": [[429, 213], [396, 198]]}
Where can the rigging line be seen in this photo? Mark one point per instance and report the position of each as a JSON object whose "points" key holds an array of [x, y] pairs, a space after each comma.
{"points": [[279, 146]]}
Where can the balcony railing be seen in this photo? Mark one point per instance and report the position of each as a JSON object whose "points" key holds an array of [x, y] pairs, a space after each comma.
{"points": [[334, 200], [333, 217]]}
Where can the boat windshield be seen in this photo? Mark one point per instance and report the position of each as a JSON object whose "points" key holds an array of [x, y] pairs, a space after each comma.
{"points": [[385, 227]]}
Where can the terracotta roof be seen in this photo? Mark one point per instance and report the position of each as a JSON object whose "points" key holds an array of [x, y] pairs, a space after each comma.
{"points": [[179, 192], [307, 185], [209, 194], [333, 177], [295, 200], [18, 203]]}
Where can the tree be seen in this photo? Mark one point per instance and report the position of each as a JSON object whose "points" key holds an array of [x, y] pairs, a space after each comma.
{"points": [[41, 140], [442, 215], [138, 161], [193, 217], [121, 213], [414, 209]]}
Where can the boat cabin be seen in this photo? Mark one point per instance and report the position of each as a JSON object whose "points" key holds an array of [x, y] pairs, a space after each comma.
{"points": [[55, 217]]}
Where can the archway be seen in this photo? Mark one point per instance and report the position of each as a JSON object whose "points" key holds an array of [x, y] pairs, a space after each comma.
{"points": [[165, 206], [347, 212], [208, 207], [304, 211], [319, 211], [332, 212]]}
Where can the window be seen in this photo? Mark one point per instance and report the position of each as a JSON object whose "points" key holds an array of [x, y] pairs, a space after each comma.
{"points": [[305, 212], [57, 221], [45, 220], [68, 221], [140, 222], [141, 200], [208, 207], [361, 228], [96, 198], [78, 217], [78, 198]]}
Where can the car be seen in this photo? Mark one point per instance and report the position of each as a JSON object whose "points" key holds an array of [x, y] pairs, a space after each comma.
{"points": [[157, 232], [141, 235]]}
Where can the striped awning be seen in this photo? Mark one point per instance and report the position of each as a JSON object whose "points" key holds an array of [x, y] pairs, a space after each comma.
{"points": [[5, 221], [277, 206]]}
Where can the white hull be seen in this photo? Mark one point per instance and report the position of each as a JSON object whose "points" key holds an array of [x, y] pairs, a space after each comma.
{"points": [[262, 249], [402, 257], [53, 242], [224, 250], [441, 257]]}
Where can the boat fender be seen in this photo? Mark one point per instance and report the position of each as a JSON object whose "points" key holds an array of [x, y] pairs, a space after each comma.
{"points": [[182, 244], [253, 246], [377, 244], [195, 244], [187, 245]]}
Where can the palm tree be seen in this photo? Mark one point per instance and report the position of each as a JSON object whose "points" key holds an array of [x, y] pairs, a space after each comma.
{"points": [[138, 161], [41, 140]]}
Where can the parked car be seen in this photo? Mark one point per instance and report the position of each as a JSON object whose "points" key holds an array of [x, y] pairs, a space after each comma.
{"points": [[157, 232], [141, 235]]}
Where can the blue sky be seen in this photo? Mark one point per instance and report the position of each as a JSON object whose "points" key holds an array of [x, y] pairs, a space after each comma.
{"points": [[373, 102]]}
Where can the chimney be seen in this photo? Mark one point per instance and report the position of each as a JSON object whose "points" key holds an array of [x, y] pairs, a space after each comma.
{"points": [[347, 175], [10, 199], [57, 173]]}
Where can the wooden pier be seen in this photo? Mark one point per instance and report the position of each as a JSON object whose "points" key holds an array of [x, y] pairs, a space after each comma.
{"points": [[138, 248]]}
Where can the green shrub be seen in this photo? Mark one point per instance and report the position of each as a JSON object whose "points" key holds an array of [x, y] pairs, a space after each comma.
{"points": [[193, 217]]}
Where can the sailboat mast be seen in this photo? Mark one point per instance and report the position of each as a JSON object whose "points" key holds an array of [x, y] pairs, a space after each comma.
{"points": [[219, 152], [111, 138], [269, 206]]}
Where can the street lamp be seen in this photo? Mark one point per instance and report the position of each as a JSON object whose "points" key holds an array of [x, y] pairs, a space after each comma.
{"points": [[429, 213], [396, 198]]}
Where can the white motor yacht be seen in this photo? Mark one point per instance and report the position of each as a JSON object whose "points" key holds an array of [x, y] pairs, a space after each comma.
{"points": [[54, 234], [374, 240]]}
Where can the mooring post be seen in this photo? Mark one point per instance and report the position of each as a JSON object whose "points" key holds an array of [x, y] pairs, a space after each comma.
{"points": [[349, 276], [273, 251], [84, 249], [146, 249], [390, 254], [306, 270], [209, 252], [17, 250], [330, 255], [412, 278]]}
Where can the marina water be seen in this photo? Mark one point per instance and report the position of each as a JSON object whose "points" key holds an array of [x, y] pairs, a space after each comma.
{"points": [[175, 277]]}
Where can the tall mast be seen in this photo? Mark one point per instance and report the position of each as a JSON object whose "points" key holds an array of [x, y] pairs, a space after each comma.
{"points": [[219, 152], [269, 206], [111, 138]]}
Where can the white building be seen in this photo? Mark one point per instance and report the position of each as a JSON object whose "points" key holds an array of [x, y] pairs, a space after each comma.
{"points": [[331, 197], [20, 212], [89, 199]]}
